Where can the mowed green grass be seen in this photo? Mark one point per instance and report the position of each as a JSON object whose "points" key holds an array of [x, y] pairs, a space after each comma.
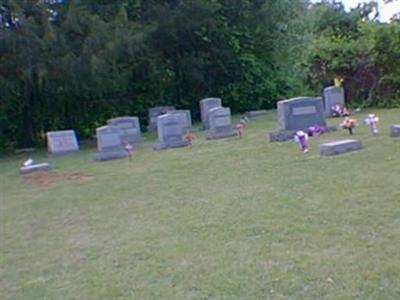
{"points": [[224, 219]]}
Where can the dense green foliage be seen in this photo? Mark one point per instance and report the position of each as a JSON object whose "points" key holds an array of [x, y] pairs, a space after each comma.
{"points": [[97, 59]]}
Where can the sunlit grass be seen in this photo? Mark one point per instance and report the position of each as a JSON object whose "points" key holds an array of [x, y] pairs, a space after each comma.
{"points": [[224, 219]]}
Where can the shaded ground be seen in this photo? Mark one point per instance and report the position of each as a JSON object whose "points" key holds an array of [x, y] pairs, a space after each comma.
{"points": [[45, 179]]}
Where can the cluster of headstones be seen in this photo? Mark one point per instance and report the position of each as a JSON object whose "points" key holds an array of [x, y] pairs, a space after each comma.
{"points": [[300, 113], [171, 126]]}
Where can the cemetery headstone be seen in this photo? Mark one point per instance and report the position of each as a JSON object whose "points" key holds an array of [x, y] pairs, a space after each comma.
{"points": [[130, 129], [62, 142], [395, 131], [220, 123], [184, 117], [170, 132], [109, 144], [333, 95], [154, 113], [339, 147], [205, 106], [298, 114]]}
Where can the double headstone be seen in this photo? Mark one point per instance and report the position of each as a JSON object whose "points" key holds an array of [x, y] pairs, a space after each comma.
{"points": [[298, 114], [170, 132], [205, 106], [62, 142], [155, 112], [109, 144], [333, 95], [130, 129], [220, 123]]}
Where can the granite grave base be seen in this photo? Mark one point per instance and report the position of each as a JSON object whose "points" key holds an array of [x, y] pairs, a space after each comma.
{"points": [[110, 155], [285, 135], [163, 146], [215, 136], [339, 147]]}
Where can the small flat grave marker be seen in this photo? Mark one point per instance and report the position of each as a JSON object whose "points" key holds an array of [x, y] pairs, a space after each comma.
{"points": [[395, 131], [339, 147]]}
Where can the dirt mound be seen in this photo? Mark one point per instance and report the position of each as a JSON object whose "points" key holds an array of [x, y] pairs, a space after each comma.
{"points": [[45, 179]]}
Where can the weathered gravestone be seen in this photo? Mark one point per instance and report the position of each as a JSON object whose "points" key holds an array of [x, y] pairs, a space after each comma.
{"points": [[298, 114], [62, 142], [255, 113], [205, 106], [39, 167], [395, 131], [130, 129], [170, 132], [339, 147], [109, 144], [333, 95], [220, 123], [155, 112], [184, 117]]}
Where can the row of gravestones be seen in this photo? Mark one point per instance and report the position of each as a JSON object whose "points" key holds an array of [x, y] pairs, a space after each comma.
{"points": [[169, 123], [293, 115]]}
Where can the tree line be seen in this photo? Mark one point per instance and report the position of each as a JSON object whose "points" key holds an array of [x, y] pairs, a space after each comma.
{"points": [[74, 64]]}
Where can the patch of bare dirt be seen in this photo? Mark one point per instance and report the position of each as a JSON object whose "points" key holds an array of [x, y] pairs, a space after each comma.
{"points": [[46, 179]]}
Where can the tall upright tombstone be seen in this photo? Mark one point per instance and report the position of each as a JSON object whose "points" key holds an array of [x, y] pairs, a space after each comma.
{"points": [[220, 123], [333, 95], [205, 106], [130, 129], [184, 117], [109, 144], [170, 132], [298, 114], [155, 112], [62, 142]]}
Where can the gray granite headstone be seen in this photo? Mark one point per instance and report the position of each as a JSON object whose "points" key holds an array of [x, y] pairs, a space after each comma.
{"points": [[395, 131], [170, 132], [184, 117], [205, 106], [298, 114], [333, 95], [109, 144], [35, 168], [130, 129], [155, 112], [339, 147], [62, 142], [220, 123]]}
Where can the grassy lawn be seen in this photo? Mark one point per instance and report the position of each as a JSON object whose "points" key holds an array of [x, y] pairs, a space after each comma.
{"points": [[226, 219]]}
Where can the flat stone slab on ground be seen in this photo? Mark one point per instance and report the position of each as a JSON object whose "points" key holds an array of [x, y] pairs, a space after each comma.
{"points": [[395, 131], [255, 113], [35, 168], [339, 147]]}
